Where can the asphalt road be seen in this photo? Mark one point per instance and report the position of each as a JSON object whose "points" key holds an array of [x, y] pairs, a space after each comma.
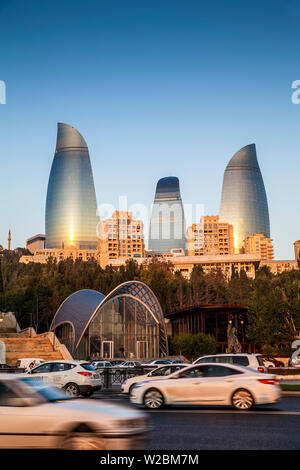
{"points": [[272, 427]]}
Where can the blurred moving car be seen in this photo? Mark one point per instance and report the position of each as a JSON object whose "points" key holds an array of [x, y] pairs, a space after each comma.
{"points": [[160, 371], [39, 416], [209, 384], [101, 364], [255, 361], [272, 362], [75, 377], [130, 364]]}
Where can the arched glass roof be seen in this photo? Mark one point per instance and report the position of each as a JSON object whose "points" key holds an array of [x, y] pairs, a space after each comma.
{"points": [[80, 308]]}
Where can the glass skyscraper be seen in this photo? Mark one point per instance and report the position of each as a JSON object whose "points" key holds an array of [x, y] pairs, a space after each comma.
{"points": [[167, 225], [244, 202], [71, 205]]}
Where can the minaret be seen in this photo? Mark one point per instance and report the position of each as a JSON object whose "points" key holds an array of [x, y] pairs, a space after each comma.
{"points": [[9, 240]]}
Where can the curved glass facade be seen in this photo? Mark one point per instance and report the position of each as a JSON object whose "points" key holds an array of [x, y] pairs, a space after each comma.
{"points": [[71, 205], [244, 202], [126, 323], [167, 224]]}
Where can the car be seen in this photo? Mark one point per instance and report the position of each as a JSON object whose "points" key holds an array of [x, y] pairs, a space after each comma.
{"points": [[117, 362], [101, 364], [157, 362], [36, 416], [209, 384], [177, 361], [130, 364], [75, 377], [4, 366], [160, 371], [255, 361]]}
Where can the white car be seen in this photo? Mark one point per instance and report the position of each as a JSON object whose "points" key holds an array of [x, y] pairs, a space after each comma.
{"points": [[130, 364], [209, 384], [41, 417], [24, 362], [101, 364], [255, 361], [157, 362], [161, 371], [75, 377]]}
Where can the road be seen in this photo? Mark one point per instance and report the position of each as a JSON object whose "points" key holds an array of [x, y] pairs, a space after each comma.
{"points": [[274, 427]]}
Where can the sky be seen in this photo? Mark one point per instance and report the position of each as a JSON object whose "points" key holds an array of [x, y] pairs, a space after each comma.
{"points": [[157, 88]]}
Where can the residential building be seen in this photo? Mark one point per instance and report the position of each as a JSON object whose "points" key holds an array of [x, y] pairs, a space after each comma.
{"points": [[260, 244], [210, 237], [244, 202], [279, 266], [120, 236]]}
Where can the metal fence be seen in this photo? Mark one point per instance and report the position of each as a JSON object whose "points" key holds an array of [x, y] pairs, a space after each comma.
{"points": [[114, 377]]}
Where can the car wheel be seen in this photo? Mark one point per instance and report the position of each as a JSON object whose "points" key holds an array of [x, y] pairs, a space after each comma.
{"points": [[153, 399], [242, 399], [83, 441], [71, 390]]}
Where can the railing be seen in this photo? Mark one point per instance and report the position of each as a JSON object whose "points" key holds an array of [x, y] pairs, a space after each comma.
{"points": [[114, 377]]}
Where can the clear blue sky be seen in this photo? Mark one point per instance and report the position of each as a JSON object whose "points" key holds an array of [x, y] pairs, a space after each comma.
{"points": [[157, 88]]}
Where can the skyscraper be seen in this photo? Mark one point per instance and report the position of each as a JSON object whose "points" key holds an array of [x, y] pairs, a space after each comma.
{"points": [[71, 201], [244, 202], [167, 225]]}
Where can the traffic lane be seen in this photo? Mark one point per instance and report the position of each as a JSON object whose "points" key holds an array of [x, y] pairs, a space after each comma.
{"points": [[287, 403], [224, 431]]}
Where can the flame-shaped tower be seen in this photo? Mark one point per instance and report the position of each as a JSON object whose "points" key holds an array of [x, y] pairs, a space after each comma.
{"points": [[244, 201], [71, 207]]}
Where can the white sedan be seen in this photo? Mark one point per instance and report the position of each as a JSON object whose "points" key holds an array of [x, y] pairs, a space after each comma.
{"points": [[33, 415], [162, 371], [209, 384]]}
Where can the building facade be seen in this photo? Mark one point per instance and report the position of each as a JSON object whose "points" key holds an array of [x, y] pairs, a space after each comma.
{"points": [[260, 244], [71, 207], [37, 242], [167, 225], [244, 202], [297, 249], [72, 252], [120, 236], [210, 237], [279, 266]]}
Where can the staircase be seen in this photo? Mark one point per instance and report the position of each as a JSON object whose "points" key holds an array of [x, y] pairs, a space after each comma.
{"points": [[40, 346]]}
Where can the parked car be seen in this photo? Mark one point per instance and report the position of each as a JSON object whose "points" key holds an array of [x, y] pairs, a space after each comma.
{"points": [[130, 364], [177, 361], [4, 366], [39, 416], [24, 362], [209, 384], [75, 377], [272, 362], [161, 371], [156, 362], [255, 361], [101, 364], [117, 362]]}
